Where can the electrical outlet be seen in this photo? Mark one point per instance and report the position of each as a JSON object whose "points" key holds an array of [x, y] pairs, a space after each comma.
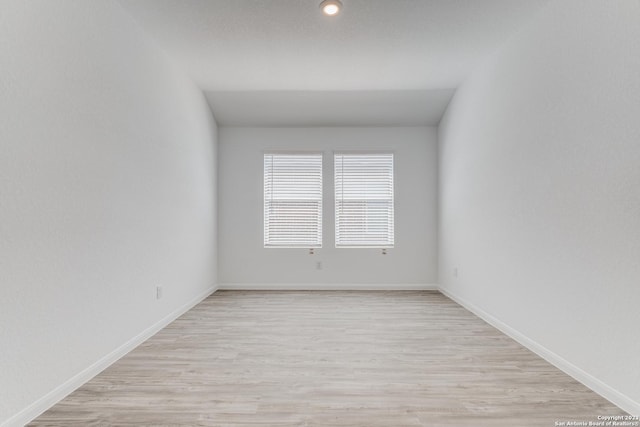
{"points": [[319, 265], [158, 292]]}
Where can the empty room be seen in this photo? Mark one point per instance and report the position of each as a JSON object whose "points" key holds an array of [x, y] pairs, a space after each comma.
{"points": [[320, 213]]}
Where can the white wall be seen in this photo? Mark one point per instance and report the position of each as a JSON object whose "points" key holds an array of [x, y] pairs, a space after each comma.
{"points": [[540, 190], [107, 188], [242, 257]]}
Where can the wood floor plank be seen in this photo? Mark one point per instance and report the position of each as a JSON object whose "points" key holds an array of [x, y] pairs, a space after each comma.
{"points": [[320, 358]]}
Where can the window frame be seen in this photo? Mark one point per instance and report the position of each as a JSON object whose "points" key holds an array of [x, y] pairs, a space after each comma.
{"points": [[268, 242], [390, 231]]}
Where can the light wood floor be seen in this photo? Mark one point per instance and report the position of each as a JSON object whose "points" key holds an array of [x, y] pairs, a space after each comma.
{"points": [[295, 358]]}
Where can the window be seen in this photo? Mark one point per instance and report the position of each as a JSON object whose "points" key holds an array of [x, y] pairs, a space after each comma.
{"points": [[364, 200], [293, 200]]}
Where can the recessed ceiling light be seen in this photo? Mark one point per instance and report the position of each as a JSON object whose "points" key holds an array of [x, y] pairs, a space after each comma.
{"points": [[331, 7]]}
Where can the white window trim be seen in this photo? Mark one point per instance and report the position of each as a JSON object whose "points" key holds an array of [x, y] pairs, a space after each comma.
{"points": [[338, 193], [269, 240]]}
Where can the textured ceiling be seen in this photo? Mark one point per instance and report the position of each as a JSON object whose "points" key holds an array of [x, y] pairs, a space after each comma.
{"points": [[329, 108], [253, 46]]}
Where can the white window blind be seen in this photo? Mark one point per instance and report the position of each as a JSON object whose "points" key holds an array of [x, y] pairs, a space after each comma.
{"points": [[364, 200], [293, 200]]}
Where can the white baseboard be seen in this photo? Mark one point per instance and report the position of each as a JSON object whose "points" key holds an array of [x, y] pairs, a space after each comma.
{"points": [[604, 390], [327, 287], [34, 410]]}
